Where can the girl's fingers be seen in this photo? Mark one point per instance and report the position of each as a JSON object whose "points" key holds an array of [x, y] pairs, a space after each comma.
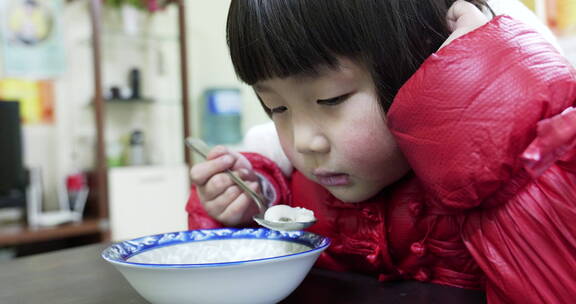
{"points": [[247, 175], [241, 161], [462, 18], [464, 15], [218, 160], [216, 185], [202, 172], [217, 151], [215, 207], [241, 210]]}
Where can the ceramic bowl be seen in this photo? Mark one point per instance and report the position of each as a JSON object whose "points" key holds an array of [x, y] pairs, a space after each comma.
{"points": [[217, 265]]}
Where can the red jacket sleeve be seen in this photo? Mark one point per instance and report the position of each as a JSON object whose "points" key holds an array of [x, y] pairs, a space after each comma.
{"points": [[466, 116], [488, 126], [265, 168]]}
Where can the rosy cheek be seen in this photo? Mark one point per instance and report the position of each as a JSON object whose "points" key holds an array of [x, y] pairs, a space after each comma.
{"points": [[362, 139], [369, 152], [360, 150]]}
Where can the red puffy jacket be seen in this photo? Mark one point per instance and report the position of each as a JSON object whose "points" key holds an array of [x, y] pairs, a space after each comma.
{"points": [[488, 127]]}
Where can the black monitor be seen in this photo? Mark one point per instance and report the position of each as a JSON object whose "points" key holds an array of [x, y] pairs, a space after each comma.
{"points": [[12, 173]]}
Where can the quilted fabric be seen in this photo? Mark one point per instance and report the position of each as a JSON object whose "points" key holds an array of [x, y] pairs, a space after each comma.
{"points": [[466, 116], [489, 128]]}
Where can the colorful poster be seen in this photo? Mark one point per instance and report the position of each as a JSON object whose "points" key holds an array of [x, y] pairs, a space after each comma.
{"points": [[31, 38], [36, 99]]}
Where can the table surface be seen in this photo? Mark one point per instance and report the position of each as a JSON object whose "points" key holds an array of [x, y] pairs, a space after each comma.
{"points": [[80, 275]]}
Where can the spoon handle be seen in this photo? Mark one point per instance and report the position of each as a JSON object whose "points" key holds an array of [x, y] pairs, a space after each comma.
{"points": [[200, 147]]}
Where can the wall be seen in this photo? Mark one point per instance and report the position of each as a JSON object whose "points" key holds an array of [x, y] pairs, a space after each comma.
{"points": [[211, 65]]}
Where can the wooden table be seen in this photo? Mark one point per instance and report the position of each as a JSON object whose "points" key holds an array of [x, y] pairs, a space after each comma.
{"points": [[18, 234], [79, 275]]}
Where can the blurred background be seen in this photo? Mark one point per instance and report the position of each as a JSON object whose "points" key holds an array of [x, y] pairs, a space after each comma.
{"points": [[96, 98]]}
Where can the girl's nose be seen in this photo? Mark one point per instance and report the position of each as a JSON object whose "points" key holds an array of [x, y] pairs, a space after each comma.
{"points": [[310, 140]]}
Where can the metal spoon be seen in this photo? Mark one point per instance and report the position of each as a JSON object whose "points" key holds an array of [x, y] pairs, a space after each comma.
{"points": [[200, 147]]}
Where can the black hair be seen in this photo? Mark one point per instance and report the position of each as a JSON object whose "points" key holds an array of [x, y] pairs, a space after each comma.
{"points": [[281, 38]]}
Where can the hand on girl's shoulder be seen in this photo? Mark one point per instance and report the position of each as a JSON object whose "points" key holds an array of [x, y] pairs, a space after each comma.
{"points": [[463, 17]]}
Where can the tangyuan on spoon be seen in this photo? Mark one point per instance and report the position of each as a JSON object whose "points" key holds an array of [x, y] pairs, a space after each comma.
{"points": [[284, 217]]}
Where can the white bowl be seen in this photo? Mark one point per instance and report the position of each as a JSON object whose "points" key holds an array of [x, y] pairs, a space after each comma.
{"points": [[217, 265]]}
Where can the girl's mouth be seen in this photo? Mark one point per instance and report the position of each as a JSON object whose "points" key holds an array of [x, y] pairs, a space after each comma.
{"points": [[332, 179]]}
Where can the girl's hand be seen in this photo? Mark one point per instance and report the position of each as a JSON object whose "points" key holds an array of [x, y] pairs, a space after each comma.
{"points": [[463, 17], [221, 198]]}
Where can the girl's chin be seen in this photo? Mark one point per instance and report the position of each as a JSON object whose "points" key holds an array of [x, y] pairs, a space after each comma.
{"points": [[351, 196]]}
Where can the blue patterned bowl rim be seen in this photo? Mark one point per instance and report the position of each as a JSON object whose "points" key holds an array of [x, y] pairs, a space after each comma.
{"points": [[119, 253]]}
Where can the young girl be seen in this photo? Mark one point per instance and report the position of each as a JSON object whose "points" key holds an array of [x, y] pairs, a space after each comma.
{"points": [[454, 166]]}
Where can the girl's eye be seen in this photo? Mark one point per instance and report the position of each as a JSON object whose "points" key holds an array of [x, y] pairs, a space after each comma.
{"points": [[333, 101], [278, 110]]}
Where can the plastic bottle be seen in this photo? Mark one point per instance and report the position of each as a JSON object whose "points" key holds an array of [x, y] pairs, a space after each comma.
{"points": [[137, 155], [135, 83]]}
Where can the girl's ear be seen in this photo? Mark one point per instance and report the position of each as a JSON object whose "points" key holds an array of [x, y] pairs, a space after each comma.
{"points": [[463, 17]]}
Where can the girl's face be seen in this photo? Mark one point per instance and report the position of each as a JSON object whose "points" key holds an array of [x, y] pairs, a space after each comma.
{"points": [[333, 131]]}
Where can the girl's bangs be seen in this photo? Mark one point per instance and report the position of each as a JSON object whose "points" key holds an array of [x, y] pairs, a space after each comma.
{"points": [[269, 39]]}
